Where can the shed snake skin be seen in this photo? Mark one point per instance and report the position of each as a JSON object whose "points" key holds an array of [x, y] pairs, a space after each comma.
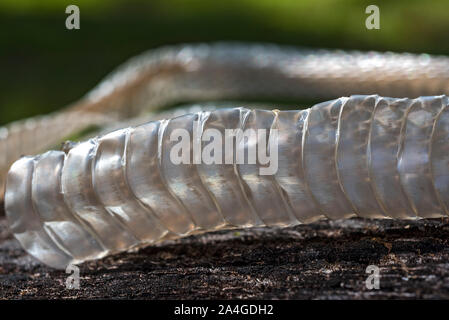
{"points": [[360, 155]]}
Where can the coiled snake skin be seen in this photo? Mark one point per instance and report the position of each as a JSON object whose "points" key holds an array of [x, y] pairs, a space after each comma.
{"points": [[364, 155]]}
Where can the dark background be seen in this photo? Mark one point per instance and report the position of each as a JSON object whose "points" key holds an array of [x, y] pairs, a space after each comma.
{"points": [[44, 66]]}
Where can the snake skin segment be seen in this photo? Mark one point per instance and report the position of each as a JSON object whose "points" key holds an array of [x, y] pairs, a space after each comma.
{"points": [[193, 73], [365, 156]]}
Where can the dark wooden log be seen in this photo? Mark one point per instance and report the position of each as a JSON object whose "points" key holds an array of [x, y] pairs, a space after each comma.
{"points": [[325, 260]]}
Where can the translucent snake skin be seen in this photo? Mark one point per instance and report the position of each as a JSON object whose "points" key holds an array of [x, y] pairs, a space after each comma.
{"points": [[362, 155]]}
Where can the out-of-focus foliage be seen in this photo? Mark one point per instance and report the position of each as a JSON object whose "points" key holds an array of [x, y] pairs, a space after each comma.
{"points": [[44, 66]]}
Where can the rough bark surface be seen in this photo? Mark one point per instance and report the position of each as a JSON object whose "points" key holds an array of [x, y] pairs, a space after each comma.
{"points": [[325, 260]]}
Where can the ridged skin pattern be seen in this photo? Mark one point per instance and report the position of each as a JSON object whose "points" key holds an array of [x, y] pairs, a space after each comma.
{"points": [[365, 156]]}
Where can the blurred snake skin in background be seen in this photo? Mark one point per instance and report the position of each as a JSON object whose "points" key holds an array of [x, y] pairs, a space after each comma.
{"points": [[217, 71]]}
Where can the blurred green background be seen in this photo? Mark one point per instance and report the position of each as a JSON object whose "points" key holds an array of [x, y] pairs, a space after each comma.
{"points": [[44, 66]]}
